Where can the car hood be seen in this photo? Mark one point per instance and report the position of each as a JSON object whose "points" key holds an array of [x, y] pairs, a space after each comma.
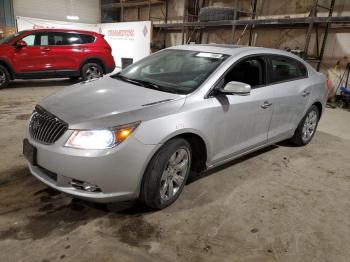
{"points": [[107, 102]]}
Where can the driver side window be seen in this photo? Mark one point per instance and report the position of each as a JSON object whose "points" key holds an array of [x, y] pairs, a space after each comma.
{"points": [[29, 39], [250, 71]]}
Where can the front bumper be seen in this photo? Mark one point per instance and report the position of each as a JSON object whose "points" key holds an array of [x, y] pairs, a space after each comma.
{"points": [[117, 172]]}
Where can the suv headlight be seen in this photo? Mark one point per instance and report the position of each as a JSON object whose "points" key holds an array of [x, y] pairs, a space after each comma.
{"points": [[100, 138]]}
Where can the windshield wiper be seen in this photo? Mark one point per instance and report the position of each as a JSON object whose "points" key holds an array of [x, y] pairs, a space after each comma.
{"points": [[138, 82], [147, 84], [126, 79]]}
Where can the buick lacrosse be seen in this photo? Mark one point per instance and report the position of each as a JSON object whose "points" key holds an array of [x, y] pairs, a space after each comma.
{"points": [[139, 133]]}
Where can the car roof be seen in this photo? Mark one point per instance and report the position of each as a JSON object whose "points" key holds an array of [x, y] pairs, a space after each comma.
{"points": [[233, 50], [62, 30]]}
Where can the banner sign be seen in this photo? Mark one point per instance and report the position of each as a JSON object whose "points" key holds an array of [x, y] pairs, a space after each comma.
{"points": [[127, 39]]}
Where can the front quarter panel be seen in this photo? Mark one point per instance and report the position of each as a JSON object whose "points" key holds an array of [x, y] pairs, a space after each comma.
{"points": [[193, 118]]}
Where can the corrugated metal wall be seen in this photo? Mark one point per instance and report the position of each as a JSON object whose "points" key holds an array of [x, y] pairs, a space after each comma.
{"points": [[87, 10]]}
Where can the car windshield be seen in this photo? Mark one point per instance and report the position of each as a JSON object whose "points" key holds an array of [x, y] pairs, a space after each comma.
{"points": [[9, 38], [174, 71]]}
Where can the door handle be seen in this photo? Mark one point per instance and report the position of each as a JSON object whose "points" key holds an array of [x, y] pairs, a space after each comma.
{"points": [[46, 49], [266, 104], [305, 93]]}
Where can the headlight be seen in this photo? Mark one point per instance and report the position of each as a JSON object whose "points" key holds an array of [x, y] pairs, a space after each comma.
{"points": [[100, 138]]}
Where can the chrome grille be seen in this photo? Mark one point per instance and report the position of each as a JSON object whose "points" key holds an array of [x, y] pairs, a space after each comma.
{"points": [[45, 127]]}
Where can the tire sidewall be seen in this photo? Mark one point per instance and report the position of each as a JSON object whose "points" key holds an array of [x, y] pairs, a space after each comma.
{"points": [[7, 77], [150, 190], [86, 67], [298, 139]]}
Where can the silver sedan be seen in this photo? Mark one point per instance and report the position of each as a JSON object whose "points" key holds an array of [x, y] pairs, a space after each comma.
{"points": [[139, 133]]}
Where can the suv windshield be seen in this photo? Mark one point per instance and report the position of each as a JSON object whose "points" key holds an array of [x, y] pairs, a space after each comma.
{"points": [[175, 71], [9, 38]]}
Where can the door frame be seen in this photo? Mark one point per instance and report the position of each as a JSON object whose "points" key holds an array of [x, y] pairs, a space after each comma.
{"points": [[211, 94], [211, 91], [269, 69]]}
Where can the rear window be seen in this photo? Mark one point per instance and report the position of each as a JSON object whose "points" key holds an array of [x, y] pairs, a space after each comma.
{"points": [[72, 39], [59, 38], [87, 39], [284, 69]]}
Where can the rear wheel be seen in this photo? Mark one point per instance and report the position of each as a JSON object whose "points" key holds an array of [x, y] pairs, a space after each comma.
{"points": [[166, 174], [4, 77], [307, 127], [91, 71]]}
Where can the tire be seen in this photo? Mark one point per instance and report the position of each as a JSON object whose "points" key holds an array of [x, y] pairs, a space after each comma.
{"points": [[301, 138], [91, 71], [163, 174], [207, 14], [4, 77]]}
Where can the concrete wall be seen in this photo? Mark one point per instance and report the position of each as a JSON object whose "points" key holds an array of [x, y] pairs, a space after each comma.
{"points": [[87, 10]]}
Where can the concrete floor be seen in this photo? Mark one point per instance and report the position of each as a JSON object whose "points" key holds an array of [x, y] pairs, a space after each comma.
{"points": [[283, 203]]}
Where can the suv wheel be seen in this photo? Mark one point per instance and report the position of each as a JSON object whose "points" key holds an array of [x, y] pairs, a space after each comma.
{"points": [[90, 71], [307, 127], [4, 77], [166, 174]]}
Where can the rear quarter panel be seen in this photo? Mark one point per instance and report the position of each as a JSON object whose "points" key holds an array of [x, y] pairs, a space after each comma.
{"points": [[318, 89]]}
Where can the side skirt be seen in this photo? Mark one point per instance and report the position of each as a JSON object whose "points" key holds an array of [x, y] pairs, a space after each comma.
{"points": [[247, 152], [47, 74]]}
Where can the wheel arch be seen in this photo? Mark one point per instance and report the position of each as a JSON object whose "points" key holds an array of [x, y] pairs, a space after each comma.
{"points": [[319, 106], [198, 146], [5, 64], [199, 150], [93, 59]]}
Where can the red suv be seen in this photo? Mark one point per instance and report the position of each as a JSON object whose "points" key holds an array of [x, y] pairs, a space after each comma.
{"points": [[53, 53]]}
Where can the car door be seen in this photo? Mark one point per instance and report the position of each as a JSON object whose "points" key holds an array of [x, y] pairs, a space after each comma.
{"points": [[66, 51], [33, 57], [241, 122], [290, 95]]}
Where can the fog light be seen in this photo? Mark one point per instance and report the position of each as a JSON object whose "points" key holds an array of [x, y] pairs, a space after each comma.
{"points": [[84, 186]]}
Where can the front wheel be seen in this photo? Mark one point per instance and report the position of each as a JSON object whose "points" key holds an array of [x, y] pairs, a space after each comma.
{"points": [[91, 71], [307, 127], [166, 174], [4, 77]]}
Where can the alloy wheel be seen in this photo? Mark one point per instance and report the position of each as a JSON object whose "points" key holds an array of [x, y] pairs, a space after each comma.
{"points": [[93, 72], [174, 174], [2, 77], [309, 127]]}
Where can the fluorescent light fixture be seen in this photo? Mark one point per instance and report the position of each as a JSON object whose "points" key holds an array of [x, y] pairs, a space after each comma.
{"points": [[72, 17]]}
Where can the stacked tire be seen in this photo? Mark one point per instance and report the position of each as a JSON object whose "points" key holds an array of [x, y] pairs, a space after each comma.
{"points": [[211, 13]]}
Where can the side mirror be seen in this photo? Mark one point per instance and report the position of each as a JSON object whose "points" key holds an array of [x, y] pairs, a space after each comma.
{"points": [[21, 44], [236, 88]]}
